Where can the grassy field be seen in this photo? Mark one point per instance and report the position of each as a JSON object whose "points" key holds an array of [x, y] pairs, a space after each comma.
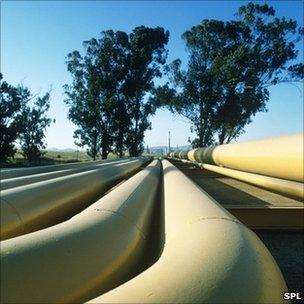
{"points": [[51, 158], [60, 156]]}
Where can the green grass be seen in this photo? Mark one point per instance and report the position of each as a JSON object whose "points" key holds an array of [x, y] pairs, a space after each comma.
{"points": [[59, 156]]}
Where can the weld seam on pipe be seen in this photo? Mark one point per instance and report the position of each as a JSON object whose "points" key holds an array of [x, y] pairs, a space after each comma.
{"points": [[125, 202], [116, 213], [67, 298], [35, 215], [15, 211], [217, 218], [208, 258], [94, 251]]}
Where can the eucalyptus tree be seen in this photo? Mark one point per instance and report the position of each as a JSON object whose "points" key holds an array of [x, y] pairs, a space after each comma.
{"points": [[33, 122], [146, 55], [260, 52], [139, 60], [21, 121], [107, 97], [93, 96], [231, 65], [194, 92], [10, 106]]}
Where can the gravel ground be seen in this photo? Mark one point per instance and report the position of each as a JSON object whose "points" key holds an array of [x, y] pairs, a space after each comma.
{"points": [[287, 248]]}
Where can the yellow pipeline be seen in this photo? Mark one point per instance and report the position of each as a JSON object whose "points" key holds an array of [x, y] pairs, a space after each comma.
{"points": [[33, 178], [183, 154], [176, 154], [209, 256], [190, 155], [291, 188], [11, 173], [31, 207], [86, 255], [280, 157]]}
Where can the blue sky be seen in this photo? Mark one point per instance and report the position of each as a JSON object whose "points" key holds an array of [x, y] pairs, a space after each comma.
{"points": [[36, 36]]}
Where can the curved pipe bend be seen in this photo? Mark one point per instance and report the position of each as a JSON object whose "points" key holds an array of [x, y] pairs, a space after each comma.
{"points": [[91, 253], [209, 256], [46, 203]]}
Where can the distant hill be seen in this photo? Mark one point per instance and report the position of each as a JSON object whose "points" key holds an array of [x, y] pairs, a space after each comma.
{"points": [[64, 150], [155, 149], [164, 149]]}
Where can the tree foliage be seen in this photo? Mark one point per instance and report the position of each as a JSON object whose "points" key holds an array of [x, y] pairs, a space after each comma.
{"points": [[231, 65], [91, 97], [261, 57], [33, 122], [10, 105], [19, 121], [107, 97], [146, 55]]}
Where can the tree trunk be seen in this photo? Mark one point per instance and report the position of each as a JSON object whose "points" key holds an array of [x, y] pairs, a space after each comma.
{"points": [[202, 127], [104, 143], [134, 146], [104, 153], [120, 144], [222, 136]]}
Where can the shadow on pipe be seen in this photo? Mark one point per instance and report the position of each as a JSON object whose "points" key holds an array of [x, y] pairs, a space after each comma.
{"points": [[36, 206], [208, 257], [17, 172], [156, 236], [278, 157], [93, 252], [34, 178]]}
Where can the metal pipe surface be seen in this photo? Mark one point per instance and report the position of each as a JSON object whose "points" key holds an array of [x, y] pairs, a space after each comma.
{"points": [[32, 207], [11, 173], [183, 155], [290, 188], [176, 153], [92, 252], [33, 178], [281, 157], [208, 257]]}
